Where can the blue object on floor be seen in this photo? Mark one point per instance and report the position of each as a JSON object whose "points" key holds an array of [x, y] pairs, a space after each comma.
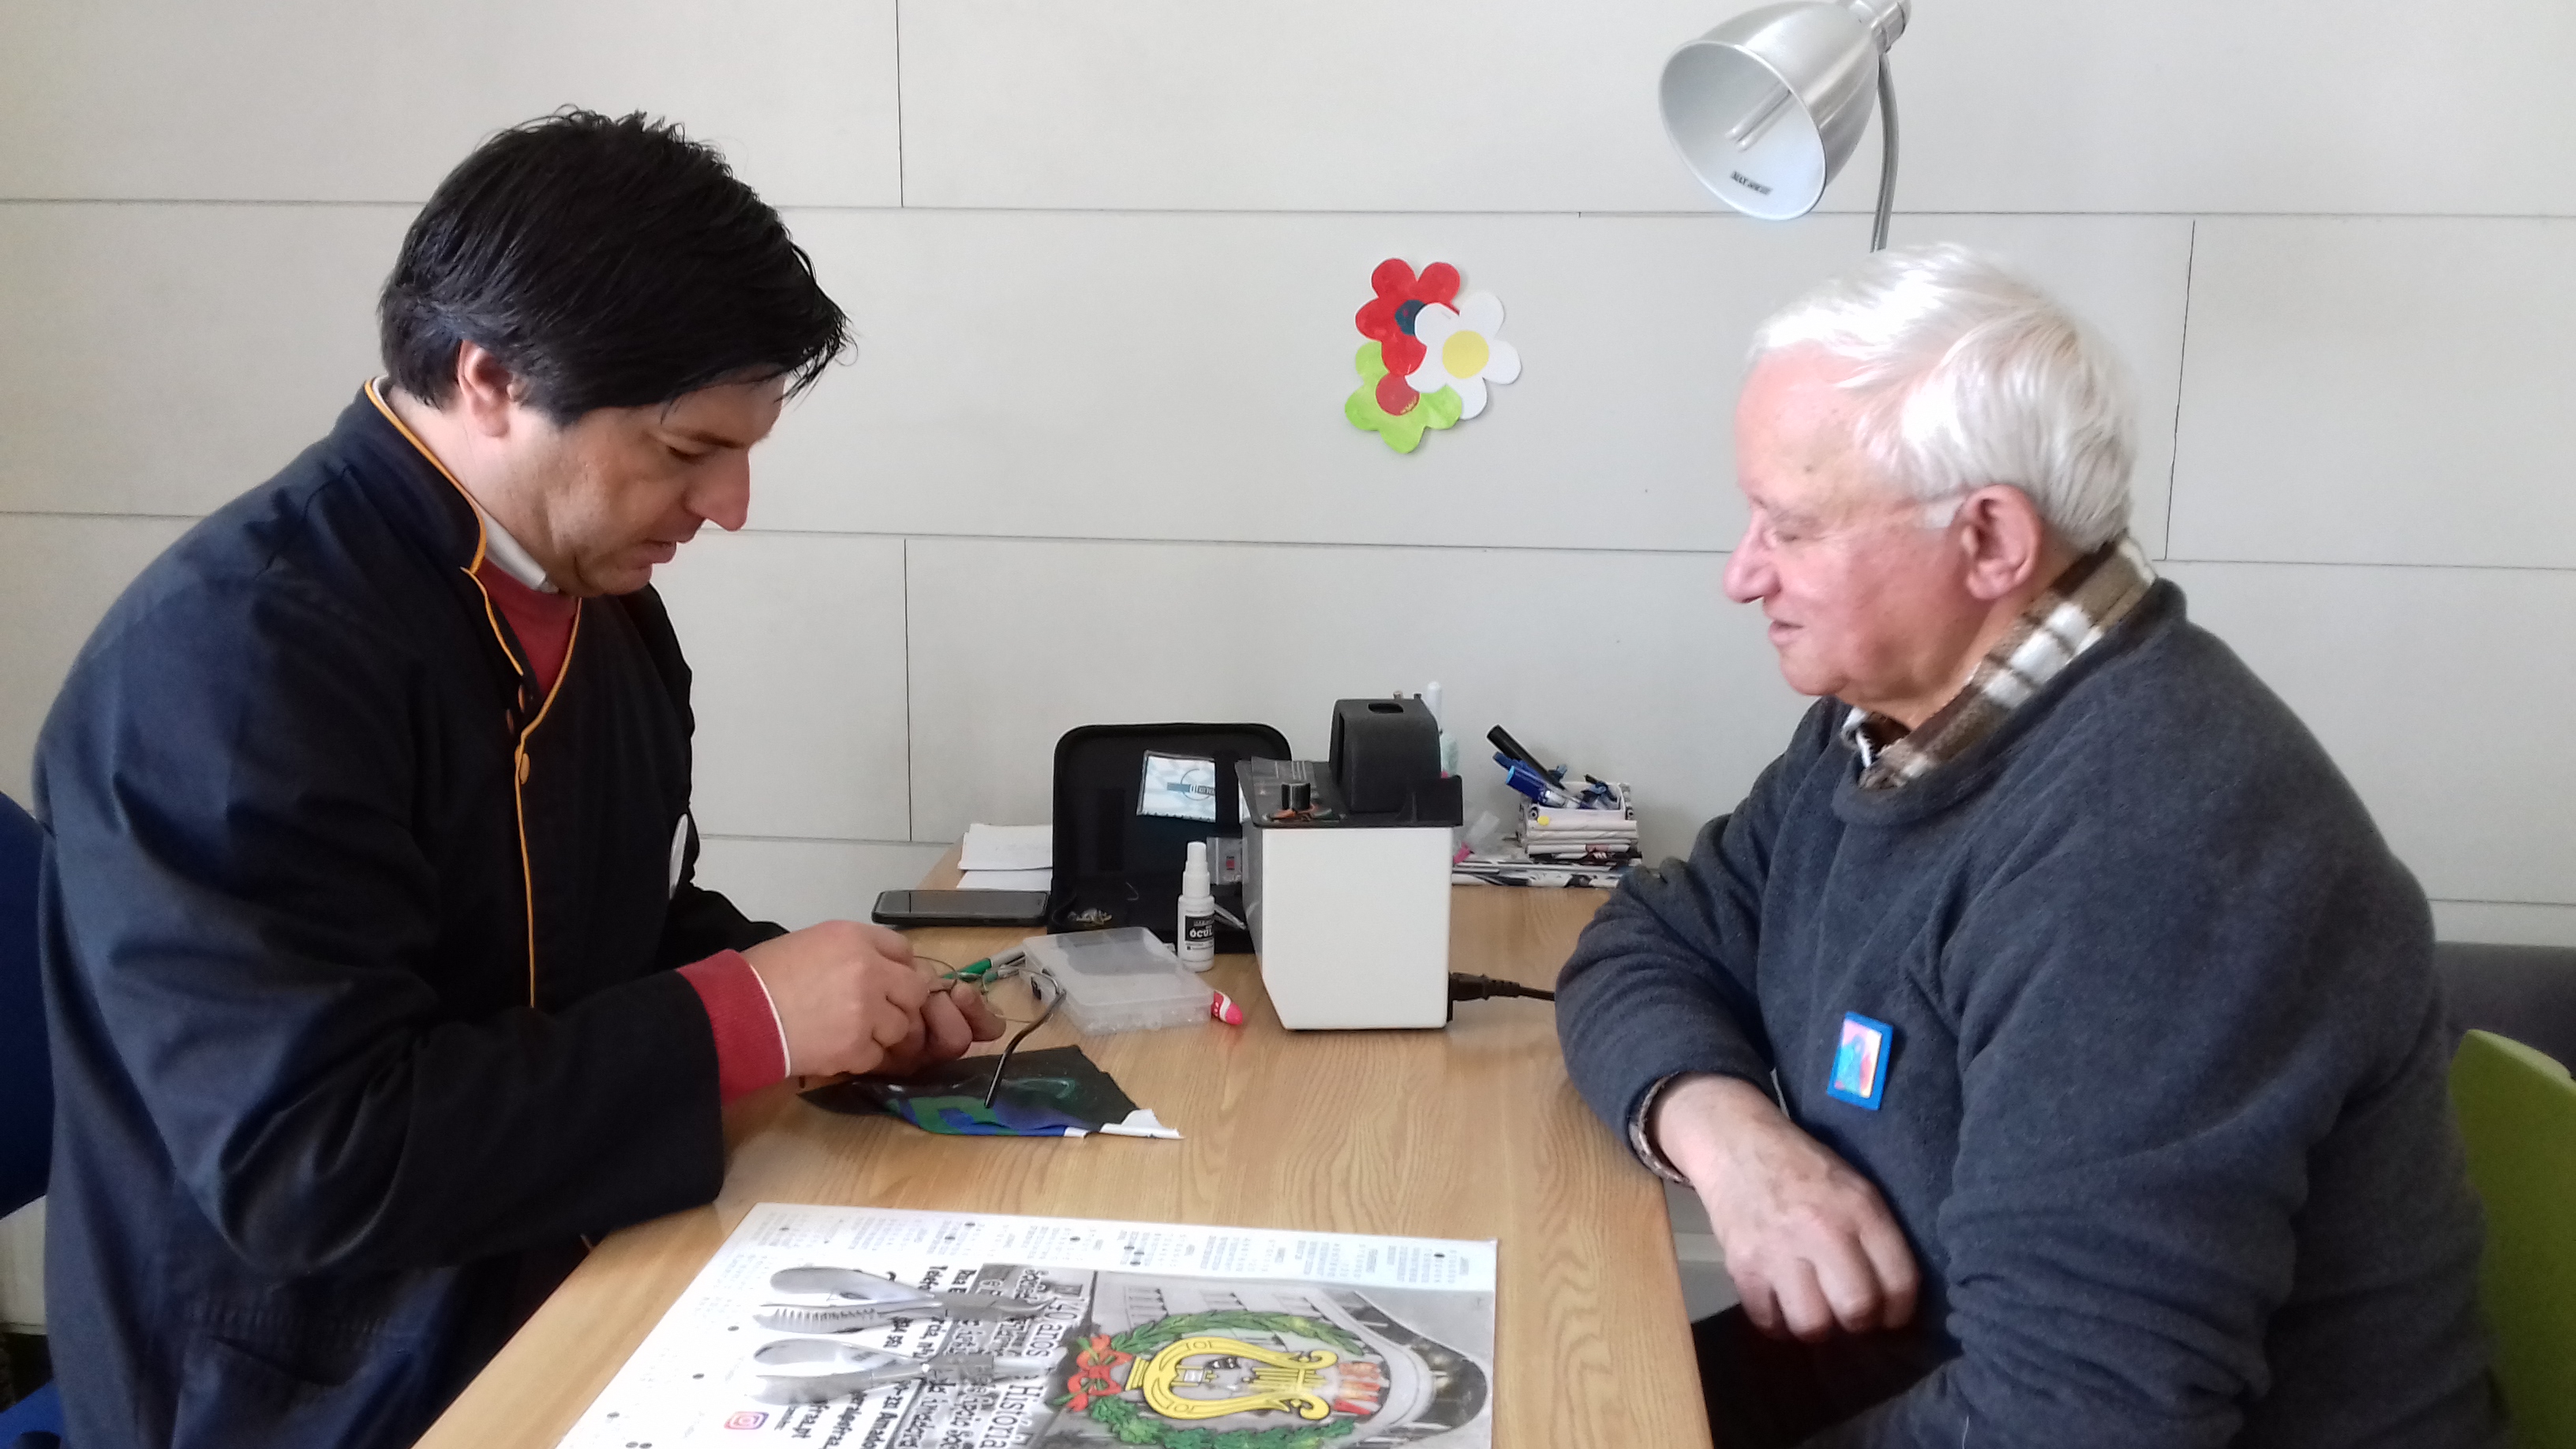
{"points": [[26, 1082], [34, 1422], [26, 1076]]}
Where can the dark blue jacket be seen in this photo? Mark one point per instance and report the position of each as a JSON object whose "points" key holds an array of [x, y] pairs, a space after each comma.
{"points": [[2165, 1118], [357, 960]]}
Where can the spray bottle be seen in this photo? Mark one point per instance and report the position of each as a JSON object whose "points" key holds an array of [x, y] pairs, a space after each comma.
{"points": [[1448, 742], [1196, 938]]}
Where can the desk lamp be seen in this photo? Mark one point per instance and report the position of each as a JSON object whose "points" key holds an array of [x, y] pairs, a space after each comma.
{"points": [[1766, 108]]}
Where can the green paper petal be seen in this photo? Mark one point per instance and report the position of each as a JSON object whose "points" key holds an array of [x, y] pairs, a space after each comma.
{"points": [[1404, 434]]}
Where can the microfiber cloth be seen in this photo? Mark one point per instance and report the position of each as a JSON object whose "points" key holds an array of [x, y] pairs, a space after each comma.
{"points": [[1058, 1092]]}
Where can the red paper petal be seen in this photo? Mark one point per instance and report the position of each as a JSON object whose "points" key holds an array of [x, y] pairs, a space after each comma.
{"points": [[1401, 354], [1393, 278], [1396, 396], [1439, 283], [1377, 320]]}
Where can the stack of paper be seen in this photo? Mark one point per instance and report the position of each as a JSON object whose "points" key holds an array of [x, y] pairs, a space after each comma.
{"points": [[1519, 871], [1590, 832], [1007, 858]]}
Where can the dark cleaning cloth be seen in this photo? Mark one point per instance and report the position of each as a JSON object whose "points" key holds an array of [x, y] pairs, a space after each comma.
{"points": [[1044, 1094]]}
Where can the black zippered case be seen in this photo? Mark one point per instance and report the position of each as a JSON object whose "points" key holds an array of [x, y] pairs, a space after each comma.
{"points": [[1117, 867]]}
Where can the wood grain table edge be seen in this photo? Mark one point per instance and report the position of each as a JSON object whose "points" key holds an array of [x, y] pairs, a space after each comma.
{"points": [[584, 1333]]}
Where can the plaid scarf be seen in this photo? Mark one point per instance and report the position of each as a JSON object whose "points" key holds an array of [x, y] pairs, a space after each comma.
{"points": [[2095, 593]]}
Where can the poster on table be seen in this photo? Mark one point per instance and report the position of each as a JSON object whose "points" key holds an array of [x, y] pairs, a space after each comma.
{"points": [[876, 1328]]}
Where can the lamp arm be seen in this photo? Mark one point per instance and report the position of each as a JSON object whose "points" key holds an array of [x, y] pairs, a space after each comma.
{"points": [[1887, 165]]}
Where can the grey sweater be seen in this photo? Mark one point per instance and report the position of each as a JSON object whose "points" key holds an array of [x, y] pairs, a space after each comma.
{"points": [[2164, 1119]]}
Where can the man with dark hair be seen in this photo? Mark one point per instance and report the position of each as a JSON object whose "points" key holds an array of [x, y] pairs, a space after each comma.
{"points": [[378, 973]]}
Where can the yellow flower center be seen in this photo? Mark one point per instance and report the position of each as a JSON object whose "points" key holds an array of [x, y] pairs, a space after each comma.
{"points": [[1464, 354]]}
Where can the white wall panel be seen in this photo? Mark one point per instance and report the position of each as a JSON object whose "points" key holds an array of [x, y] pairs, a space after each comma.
{"points": [[2222, 106], [797, 647], [22, 1268], [1706, 1288], [2504, 923], [163, 359], [1332, 105], [1496, 105], [1152, 376], [799, 882], [309, 100], [1633, 667], [2380, 391], [2438, 692], [1047, 374], [57, 578]]}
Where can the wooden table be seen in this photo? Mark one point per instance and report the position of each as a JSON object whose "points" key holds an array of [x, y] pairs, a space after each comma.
{"points": [[1471, 1132]]}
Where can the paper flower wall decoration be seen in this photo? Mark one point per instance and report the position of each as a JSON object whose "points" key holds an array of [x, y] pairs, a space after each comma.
{"points": [[1401, 296], [1429, 356], [1460, 350]]}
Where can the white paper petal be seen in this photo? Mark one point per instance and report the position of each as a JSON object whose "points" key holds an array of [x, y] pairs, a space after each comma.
{"points": [[1471, 393], [1503, 364], [1430, 377], [1433, 324], [1481, 312], [1140, 1123]]}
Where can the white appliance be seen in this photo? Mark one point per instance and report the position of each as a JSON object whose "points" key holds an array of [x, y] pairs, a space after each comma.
{"points": [[1349, 908]]}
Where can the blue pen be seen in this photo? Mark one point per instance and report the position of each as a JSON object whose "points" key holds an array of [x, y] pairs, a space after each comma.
{"points": [[1552, 779], [1531, 783]]}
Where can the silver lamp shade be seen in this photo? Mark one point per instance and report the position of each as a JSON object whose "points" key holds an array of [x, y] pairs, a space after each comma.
{"points": [[1767, 107]]}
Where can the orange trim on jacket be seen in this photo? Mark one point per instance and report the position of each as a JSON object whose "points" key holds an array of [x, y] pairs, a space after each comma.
{"points": [[519, 766]]}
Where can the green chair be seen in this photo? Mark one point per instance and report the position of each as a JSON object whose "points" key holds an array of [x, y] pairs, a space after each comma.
{"points": [[2518, 1114]]}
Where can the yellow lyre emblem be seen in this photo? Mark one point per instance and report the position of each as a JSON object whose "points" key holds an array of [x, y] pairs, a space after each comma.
{"points": [[1208, 1378]]}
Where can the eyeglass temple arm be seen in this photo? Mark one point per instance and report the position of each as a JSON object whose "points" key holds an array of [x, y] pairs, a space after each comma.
{"points": [[1887, 165]]}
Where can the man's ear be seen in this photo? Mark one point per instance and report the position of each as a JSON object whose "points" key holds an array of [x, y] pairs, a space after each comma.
{"points": [[486, 390], [2005, 540]]}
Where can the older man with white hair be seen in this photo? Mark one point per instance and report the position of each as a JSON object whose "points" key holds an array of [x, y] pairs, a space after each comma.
{"points": [[2050, 1034]]}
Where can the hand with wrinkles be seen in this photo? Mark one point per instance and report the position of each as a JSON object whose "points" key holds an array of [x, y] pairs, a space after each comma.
{"points": [[1810, 1244]]}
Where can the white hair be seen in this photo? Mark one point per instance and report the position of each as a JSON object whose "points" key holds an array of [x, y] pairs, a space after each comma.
{"points": [[1966, 376]]}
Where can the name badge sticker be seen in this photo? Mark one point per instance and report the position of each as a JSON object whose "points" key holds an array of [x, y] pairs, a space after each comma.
{"points": [[1860, 1061]]}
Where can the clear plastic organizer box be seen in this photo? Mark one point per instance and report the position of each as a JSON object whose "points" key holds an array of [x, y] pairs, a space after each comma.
{"points": [[1121, 980]]}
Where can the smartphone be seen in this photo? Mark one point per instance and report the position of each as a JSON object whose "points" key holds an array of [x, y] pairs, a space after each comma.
{"points": [[960, 908]]}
